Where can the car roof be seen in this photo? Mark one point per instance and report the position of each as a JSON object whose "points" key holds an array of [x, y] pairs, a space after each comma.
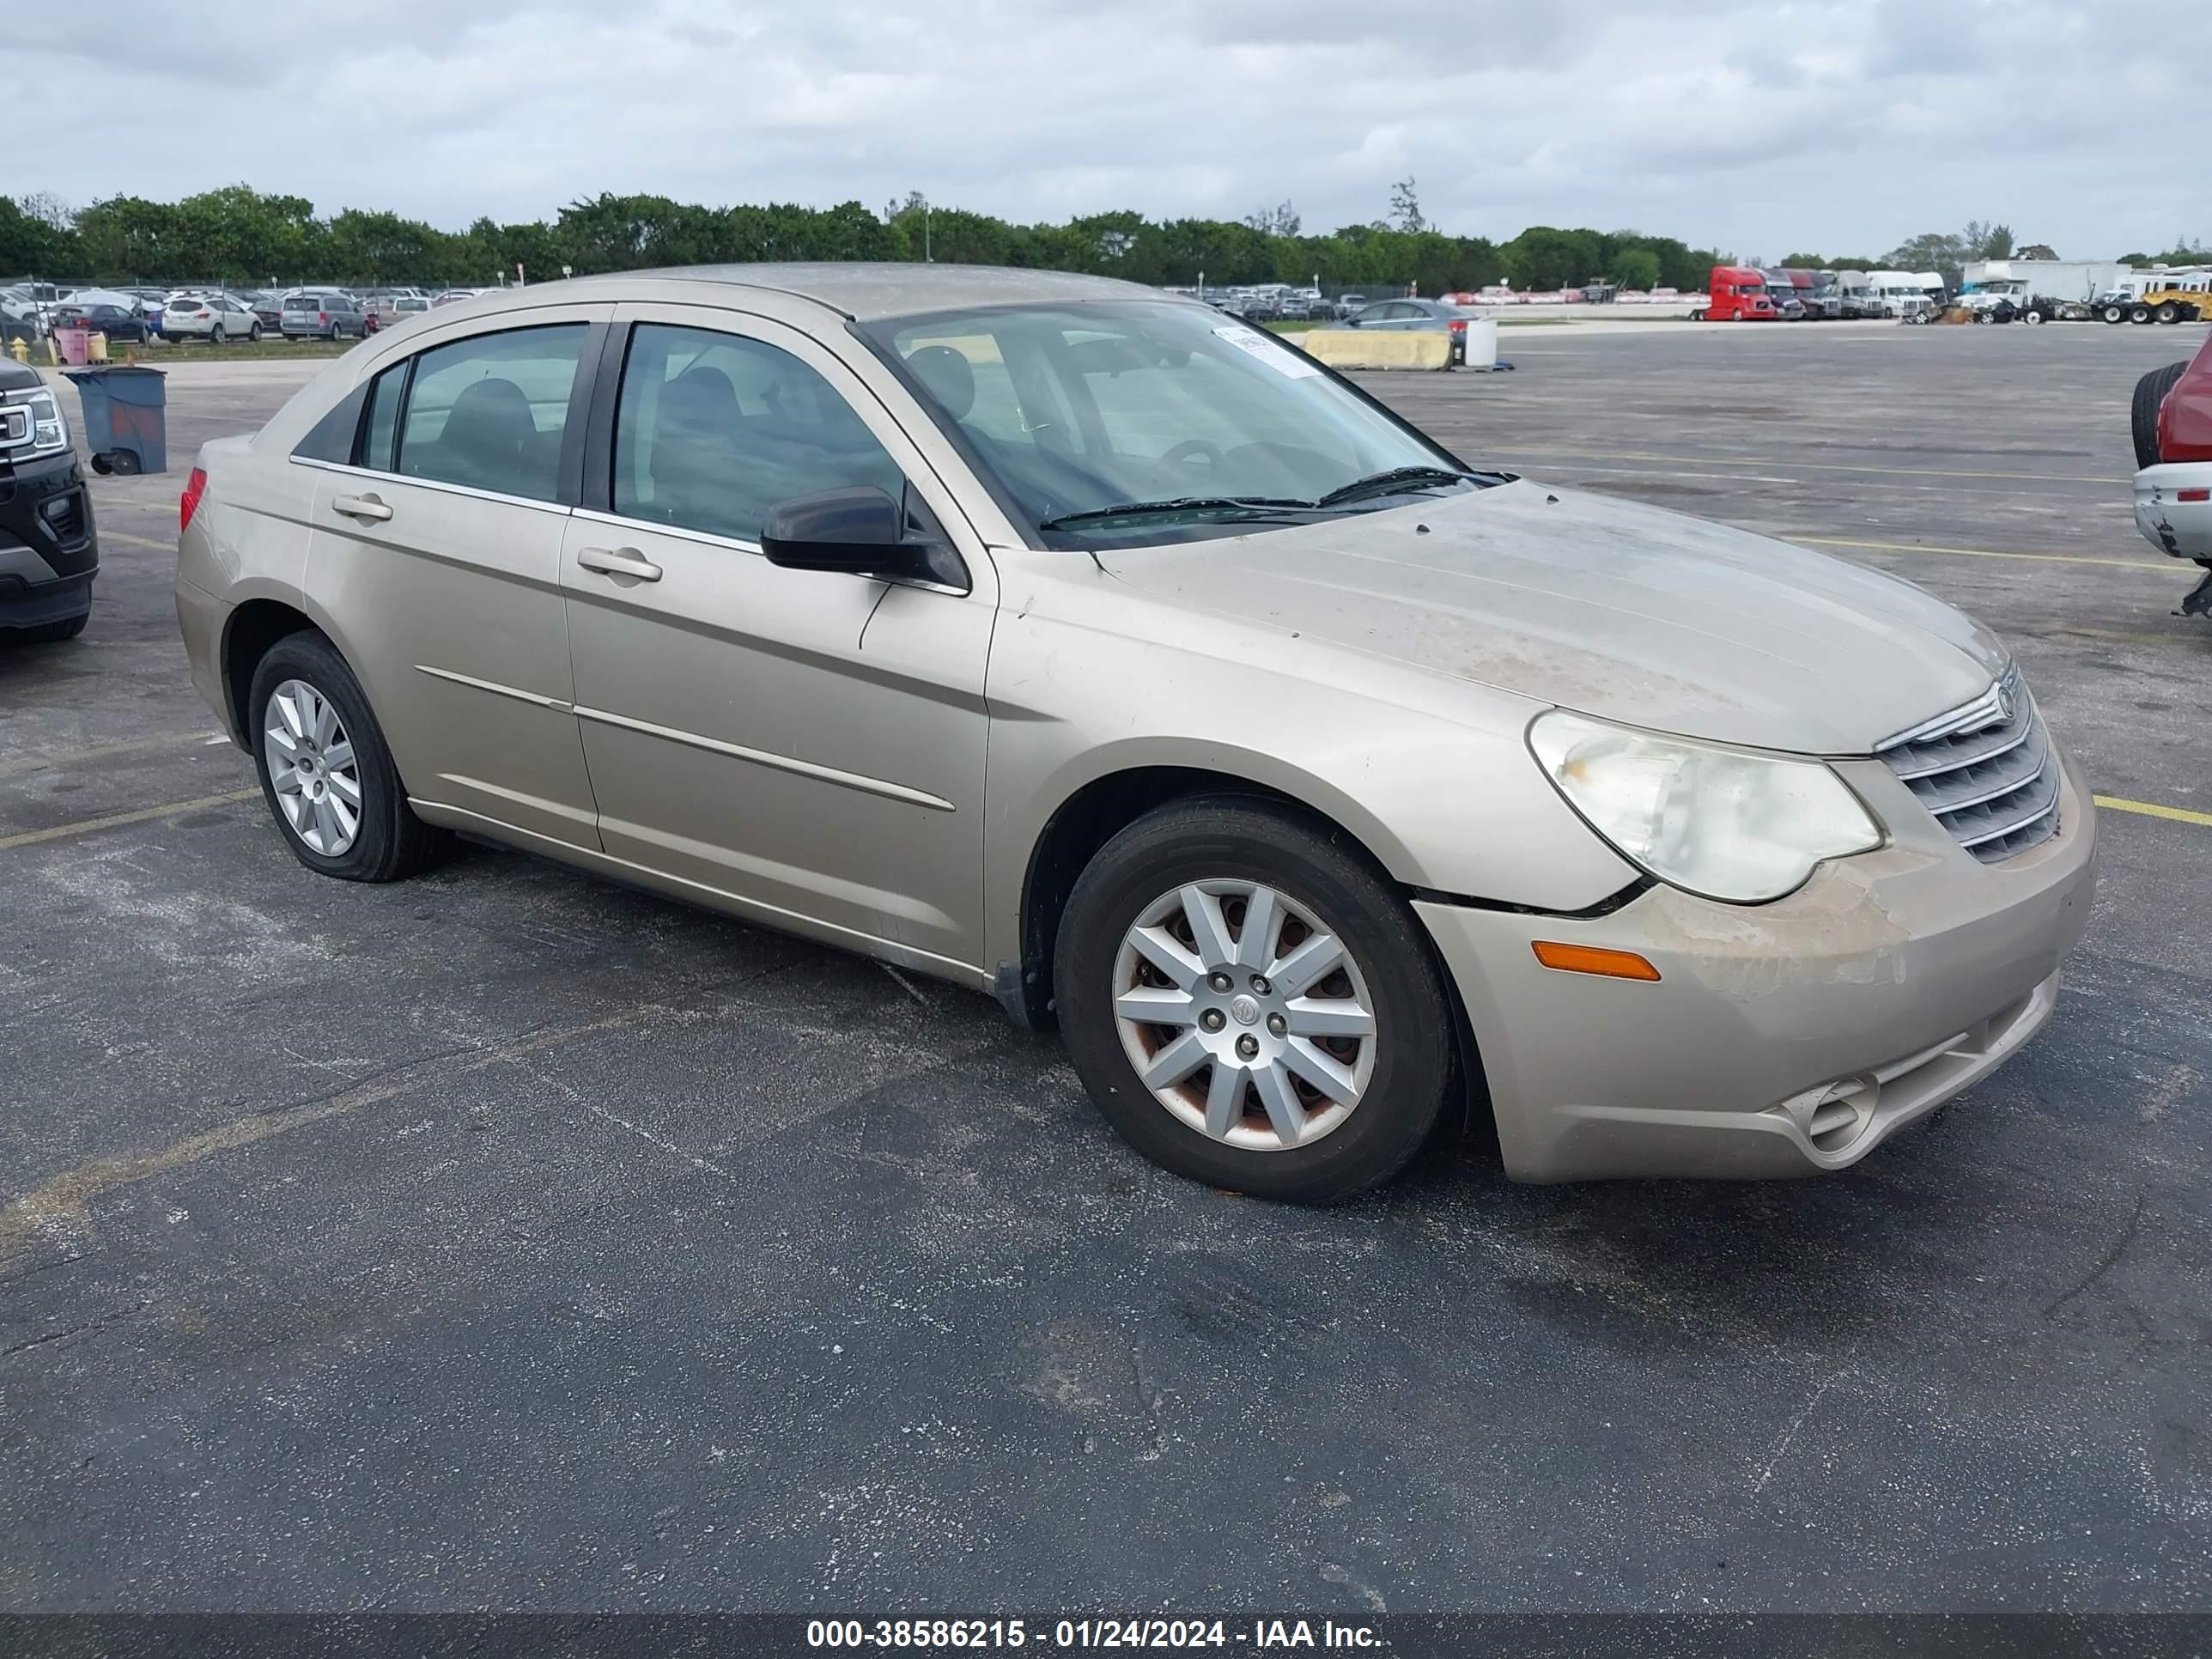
{"points": [[867, 292]]}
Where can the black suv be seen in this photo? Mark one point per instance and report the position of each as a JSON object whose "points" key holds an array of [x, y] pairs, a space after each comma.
{"points": [[48, 551]]}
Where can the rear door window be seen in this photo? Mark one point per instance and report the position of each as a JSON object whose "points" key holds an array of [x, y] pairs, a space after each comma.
{"points": [[489, 412]]}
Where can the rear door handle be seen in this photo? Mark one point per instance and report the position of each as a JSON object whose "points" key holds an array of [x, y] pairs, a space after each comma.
{"points": [[364, 507], [618, 562]]}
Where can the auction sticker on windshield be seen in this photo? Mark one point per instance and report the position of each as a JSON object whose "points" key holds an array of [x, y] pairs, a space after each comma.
{"points": [[1292, 363]]}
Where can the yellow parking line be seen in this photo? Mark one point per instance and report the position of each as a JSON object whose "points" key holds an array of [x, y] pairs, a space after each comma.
{"points": [[2151, 809], [1777, 460], [1977, 552], [138, 541], [116, 820]]}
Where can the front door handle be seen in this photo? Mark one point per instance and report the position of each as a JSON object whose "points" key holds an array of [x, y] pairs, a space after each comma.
{"points": [[364, 507], [618, 562]]}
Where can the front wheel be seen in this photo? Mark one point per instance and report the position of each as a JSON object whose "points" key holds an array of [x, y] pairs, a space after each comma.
{"points": [[1251, 1006], [253, 334], [325, 770]]}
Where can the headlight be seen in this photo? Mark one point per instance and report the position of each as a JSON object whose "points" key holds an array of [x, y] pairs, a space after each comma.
{"points": [[49, 431], [1723, 823]]}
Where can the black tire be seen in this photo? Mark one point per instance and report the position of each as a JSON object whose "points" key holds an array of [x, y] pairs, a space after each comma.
{"points": [[390, 842], [2113, 314], [2139, 313], [2143, 414], [48, 633], [253, 334], [1238, 838], [2168, 312], [1698, 316], [217, 336]]}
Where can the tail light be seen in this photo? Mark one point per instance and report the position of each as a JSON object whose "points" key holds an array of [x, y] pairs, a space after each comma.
{"points": [[322, 316], [188, 502], [1459, 327], [2193, 495]]}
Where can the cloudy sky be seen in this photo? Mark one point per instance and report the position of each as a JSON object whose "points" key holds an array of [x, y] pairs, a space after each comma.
{"points": [[1762, 129]]}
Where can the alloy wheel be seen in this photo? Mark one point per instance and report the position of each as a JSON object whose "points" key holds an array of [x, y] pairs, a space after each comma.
{"points": [[1244, 1014], [312, 767]]}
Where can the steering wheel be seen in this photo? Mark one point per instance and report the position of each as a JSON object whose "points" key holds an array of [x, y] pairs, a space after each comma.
{"points": [[1190, 448]]}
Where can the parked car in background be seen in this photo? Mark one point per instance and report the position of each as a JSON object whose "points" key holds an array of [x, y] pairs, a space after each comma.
{"points": [[322, 313], [118, 323], [1551, 809], [23, 307], [213, 318], [2173, 422], [1350, 305], [396, 308], [1392, 314], [454, 296]]}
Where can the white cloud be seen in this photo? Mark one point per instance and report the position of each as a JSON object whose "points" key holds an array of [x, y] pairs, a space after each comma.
{"points": [[1843, 127]]}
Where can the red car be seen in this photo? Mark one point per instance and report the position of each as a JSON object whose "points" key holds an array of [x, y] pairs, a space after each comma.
{"points": [[2174, 447]]}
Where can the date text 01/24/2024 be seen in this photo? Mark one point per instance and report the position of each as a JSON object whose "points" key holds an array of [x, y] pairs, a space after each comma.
{"points": [[941, 1634]]}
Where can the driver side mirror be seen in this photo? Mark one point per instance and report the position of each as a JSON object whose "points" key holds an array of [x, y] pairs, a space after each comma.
{"points": [[862, 532]]}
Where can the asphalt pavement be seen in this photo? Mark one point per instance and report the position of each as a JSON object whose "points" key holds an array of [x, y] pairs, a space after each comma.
{"points": [[503, 1239]]}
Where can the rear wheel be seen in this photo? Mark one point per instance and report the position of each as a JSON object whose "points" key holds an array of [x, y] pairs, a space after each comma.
{"points": [[1251, 1006], [2031, 315], [1698, 316], [2168, 312], [325, 770], [2113, 314], [253, 334], [2142, 413], [216, 335], [2139, 313]]}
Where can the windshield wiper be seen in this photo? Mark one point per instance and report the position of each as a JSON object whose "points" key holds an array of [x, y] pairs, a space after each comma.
{"points": [[1257, 506], [1398, 478]]}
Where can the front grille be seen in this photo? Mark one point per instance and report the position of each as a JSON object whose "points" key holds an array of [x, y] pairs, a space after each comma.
{"points": [[1986, 770]]}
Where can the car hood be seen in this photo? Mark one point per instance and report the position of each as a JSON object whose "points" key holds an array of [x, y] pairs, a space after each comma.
{"points": [[1624, 611]]}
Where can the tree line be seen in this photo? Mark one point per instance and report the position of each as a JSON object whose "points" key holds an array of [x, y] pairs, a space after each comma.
{"points": [[242, 237]]}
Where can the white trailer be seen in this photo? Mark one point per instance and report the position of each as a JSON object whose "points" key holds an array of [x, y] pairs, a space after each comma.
{"points": [[2061, 280]]}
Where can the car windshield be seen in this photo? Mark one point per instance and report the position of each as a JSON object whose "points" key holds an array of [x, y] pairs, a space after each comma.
{"points": [[1152, 421]]}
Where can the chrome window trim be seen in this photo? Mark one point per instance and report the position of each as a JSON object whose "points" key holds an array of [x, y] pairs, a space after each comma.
{"points": [[440, 484]]}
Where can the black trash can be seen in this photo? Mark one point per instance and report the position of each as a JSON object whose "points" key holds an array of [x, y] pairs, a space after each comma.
{"points": [[125, 417]]}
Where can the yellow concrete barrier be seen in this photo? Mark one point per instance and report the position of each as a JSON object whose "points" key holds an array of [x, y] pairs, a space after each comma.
{"points": [[1368, 348]]}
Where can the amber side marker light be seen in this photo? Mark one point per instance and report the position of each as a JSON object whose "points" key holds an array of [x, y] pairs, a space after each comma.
{"points": [[1590, 959]]}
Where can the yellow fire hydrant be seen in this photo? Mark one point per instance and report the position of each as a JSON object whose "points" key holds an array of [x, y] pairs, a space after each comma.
{"points": [[21, 350]]}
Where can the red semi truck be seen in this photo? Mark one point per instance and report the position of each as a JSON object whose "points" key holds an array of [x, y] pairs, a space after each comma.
{"points": [[1736, 294]]}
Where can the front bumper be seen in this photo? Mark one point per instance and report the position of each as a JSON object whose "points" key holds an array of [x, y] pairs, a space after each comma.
{"points": [[49, 545], [1782, 1039], [2182, 528]]}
